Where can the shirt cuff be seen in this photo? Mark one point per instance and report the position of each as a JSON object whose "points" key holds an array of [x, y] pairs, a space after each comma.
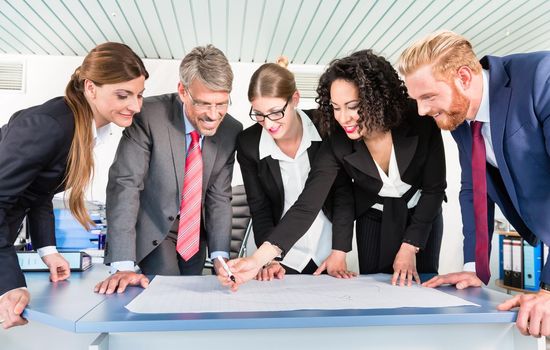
{"points": [[217, 253], [1, 296], [469, 267], [47, 250], [126, 265]]}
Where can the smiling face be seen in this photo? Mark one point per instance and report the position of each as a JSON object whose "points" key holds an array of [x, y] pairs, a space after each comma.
{"points": [[115, 103], [344, 98], [273, 107], [205, 108], [442, 100]]}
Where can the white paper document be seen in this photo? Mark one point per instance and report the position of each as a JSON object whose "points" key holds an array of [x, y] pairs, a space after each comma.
{"points": [[178, 294]]}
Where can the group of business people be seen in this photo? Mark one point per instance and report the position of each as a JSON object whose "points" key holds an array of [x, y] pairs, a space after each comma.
{"points": [[365, 155]]}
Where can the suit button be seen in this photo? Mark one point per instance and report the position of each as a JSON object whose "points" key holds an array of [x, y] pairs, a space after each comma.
{"points": [[155, 242], [171, 218]]}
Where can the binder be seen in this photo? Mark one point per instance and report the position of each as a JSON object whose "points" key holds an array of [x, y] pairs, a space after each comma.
{"points": [[517, 263], [31, 261], [544, 254], [507, 261], [532, 263], [501, 257]]}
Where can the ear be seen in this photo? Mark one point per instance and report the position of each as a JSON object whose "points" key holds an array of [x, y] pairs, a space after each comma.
{"points": [[296, 98], [181, 90], [89, 88], [464, 76]]}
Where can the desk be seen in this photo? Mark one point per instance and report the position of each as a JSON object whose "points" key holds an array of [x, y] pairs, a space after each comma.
{"points": [[72, 306]]}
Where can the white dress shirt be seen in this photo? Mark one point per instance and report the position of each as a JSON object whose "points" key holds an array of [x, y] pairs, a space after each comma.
{"points": [[392, 185], [316, 243], [99, 135]]}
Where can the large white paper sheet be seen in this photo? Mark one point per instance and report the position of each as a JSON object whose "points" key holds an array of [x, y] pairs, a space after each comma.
{"points": [[176, 294]]}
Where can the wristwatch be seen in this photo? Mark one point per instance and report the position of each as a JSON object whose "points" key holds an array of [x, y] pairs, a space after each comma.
{"points": [[545, 286]]}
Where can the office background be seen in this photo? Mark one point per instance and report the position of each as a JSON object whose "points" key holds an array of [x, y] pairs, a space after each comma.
{"points": [[47, 39]]}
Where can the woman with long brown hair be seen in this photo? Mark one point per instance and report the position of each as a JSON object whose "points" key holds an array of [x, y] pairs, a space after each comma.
{"points": [[48, 148]]}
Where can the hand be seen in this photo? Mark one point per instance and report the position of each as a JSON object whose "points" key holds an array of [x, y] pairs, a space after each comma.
{"points": [[12, 304], [119, 281], [59, 267], [244, 269], [271, 271], [404, 266], [461, 280], [534, 313], [335, 265], [218, 266]]}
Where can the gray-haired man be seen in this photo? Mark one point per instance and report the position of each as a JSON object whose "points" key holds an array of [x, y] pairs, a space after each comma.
{"points": [[155, 173]]}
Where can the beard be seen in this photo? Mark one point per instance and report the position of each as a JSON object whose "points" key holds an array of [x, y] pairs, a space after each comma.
{"points": [[456, 114]]}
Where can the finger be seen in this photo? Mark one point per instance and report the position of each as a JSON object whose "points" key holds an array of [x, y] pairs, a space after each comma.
{"points": [[509, 304], [281, 273], [434, 282], [113, 284], [63, 272], [394, 278], [53, 274], [122, 284], [21, 304], [416, 277], [320, 269], [545, 327], [144, 282], [522, 321], [469, 281], [402, 278]]}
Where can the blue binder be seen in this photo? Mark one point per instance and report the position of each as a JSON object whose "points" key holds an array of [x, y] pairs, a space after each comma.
{"points": [[532, 264]]}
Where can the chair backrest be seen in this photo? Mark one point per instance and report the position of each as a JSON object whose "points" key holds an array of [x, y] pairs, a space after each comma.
{"points": [[241, 222]]}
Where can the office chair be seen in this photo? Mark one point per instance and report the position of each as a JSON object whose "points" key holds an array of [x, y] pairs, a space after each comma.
{"points": [[240, 228]]}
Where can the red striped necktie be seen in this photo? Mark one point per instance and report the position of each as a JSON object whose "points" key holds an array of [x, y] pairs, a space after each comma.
{"points": [[190, 209], [479, 182]]}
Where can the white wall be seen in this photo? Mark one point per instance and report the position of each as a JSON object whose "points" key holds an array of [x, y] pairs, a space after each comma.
{"points": [[46, 77]]}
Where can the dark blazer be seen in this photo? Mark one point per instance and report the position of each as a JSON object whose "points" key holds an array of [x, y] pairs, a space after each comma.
{"points": [[34, 146], [519, 96], [146, 178], [421, 160], [264, 185]]}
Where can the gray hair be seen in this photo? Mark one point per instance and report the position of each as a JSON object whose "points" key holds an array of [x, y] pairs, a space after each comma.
{"points": [[209, 65]]}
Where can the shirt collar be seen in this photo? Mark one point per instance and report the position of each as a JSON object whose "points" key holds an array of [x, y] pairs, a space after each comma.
{"points": [[268, 147], [101, 134], [483, 112]]}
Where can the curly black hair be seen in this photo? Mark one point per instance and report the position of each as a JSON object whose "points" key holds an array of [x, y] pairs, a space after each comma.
{"points": [[382, 94]]}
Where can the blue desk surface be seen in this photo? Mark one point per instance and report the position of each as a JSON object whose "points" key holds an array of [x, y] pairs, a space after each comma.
{"points": [[72, 305]]}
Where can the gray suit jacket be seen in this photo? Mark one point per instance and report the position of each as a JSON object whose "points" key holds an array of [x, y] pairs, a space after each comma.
{"points": [[146, 178]]}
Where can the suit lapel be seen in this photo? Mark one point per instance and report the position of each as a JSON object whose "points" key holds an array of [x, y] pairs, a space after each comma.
{"points": [[361, 159], [499, 99], [405, 147], [176, 133], [275, 171]]}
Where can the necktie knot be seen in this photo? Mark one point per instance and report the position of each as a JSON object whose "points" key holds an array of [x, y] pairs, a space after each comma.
{"points": [[195, 136], [476, 128]]}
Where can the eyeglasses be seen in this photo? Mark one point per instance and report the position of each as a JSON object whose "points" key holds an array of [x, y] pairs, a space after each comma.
{"points": [[205, 107], [259, 117]]}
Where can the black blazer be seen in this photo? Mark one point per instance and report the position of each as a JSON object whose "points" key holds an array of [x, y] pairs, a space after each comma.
{"points": [[421, 160], [34, 146], [264, 185]]}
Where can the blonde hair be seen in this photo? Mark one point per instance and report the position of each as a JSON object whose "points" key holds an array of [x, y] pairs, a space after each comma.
{"points": [[446, 50], [108, 63], [209, 65]]}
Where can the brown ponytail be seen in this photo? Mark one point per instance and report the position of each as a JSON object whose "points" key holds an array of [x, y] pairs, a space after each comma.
{"points": [[108, 63]]}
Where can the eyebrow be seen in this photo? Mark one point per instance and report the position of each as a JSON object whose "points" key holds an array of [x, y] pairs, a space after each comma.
{"points": [[271, 110], [129, 92]]}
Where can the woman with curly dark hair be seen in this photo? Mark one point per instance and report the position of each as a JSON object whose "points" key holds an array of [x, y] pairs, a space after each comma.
{"points": [[395, 160]]}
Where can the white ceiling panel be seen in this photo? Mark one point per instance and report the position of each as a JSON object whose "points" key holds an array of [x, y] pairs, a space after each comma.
{"points": [[307, 31]]}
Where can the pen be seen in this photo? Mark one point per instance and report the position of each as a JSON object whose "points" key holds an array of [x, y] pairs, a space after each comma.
{"points": [[226, 268]]}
